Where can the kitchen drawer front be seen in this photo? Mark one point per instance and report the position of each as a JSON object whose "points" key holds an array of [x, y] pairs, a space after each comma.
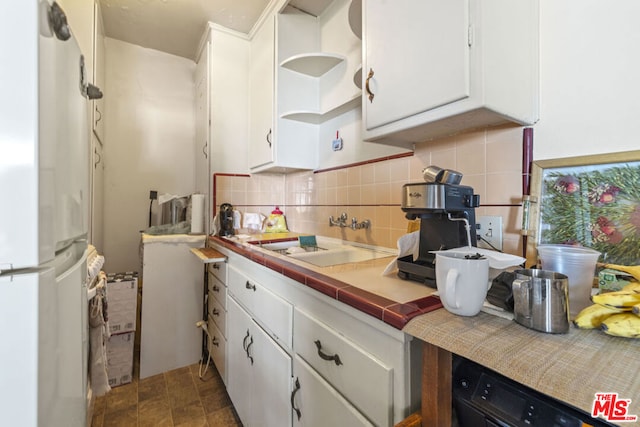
{"points": [[219, 269], [273, 313], [356, 374], [217, 290], [219, 315], [217, 347], [318, 402]]}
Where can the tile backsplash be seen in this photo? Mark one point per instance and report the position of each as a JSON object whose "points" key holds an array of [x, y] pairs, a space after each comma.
{"points": [[490, 160]]}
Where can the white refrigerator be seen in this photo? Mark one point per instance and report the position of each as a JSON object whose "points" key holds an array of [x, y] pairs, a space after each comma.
{"points": [[44, 182]]}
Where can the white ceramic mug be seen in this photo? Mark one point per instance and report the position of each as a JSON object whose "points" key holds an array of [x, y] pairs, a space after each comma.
{"points": [[462, 281]]}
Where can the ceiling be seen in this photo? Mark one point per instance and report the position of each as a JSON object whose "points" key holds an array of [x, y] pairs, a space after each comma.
{"points": [[176, 26]]}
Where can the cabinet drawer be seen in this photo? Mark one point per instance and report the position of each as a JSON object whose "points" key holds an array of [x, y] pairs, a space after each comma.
{"points": [[273, 313], [217, 290], [217, 347], [219, 269], [356, 374], [318, 402], [219, 315]]}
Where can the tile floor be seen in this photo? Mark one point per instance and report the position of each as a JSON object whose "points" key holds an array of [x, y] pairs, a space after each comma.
{"points": [[174, 398]]}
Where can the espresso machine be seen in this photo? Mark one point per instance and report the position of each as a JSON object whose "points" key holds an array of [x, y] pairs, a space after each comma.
{"points": [[446, 211], [226, 220]]}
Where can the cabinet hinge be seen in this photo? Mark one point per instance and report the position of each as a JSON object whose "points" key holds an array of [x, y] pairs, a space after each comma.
{"points": [[470, 35]]}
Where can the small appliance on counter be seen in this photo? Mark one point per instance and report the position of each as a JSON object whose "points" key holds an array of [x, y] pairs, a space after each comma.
{"points": [[447, 220], [226, 220]]}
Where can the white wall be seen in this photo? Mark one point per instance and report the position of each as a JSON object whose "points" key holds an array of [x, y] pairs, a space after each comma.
{"points": [[150, 140], [590, 70]]}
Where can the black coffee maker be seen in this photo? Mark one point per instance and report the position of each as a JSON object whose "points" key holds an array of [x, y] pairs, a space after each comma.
{"points": [[226, 220], [447, 220]]}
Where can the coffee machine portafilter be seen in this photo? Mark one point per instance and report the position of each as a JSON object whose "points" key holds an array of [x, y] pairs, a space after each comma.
{"points": [[447, 221]]}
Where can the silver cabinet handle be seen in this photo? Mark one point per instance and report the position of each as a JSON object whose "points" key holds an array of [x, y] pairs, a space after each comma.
{"points": [[269, 138], [215, 312], [216, 288], [250, 285]]}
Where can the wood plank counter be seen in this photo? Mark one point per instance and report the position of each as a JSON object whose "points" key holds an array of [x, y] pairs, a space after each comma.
{"points": [[569, 367]]}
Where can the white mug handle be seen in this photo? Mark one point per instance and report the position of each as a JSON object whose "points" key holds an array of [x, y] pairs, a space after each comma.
{"points": [[450, 288]]}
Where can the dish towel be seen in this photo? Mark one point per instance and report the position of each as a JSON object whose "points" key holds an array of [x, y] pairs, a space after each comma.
{"points": [[98, 336], [407, 245]]}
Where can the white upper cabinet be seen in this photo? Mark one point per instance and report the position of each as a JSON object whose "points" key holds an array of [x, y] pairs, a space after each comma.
{"points": [[98, 74], [434, 68], [261, 69]]}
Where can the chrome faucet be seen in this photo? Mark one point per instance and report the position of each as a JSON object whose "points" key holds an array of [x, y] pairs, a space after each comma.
{"points": [[341, 222], [355, 225]]}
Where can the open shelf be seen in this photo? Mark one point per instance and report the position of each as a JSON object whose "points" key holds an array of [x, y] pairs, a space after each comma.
{"points": [[357, 77], [315, 117], [312, 64]]}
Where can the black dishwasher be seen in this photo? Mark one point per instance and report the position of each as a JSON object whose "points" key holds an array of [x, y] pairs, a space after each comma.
{"points": [[482, 397]]}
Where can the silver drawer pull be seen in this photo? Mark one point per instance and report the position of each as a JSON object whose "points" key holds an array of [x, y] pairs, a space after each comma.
{"points": [[249, 285], [216, 288], [216, 266], [215, 312], [325, 356], [215, 342]]}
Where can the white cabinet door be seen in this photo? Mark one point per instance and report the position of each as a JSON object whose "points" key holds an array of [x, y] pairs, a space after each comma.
{"points": [[97, 196], [316, 403], [258, 372], [203, 174], [98, 73], [271, 381], [436, 68], [261, 84], [239, 368], [417, 55]]}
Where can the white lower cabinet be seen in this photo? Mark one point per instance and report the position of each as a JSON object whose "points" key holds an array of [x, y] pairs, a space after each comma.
{"points": [[316, 403], [217, 348], [291, 351], [359, 376], [258, 372]]}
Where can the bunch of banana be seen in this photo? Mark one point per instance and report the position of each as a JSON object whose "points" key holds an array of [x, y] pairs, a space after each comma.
{"points": [[624, 324], [616, 313], [592, 317], [623, 299]]}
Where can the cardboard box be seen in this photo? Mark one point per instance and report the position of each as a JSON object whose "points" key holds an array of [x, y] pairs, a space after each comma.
{"points": [[120, 359], [122, 297]]}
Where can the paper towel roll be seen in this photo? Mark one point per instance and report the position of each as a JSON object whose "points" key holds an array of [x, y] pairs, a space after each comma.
{"points": [[197, 213]]}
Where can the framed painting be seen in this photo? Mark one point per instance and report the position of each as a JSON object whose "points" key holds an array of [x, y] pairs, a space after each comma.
{"points": [[591, 201]]}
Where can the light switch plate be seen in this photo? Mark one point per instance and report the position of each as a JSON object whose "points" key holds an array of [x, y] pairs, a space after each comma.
{"points": [[489, 228]]}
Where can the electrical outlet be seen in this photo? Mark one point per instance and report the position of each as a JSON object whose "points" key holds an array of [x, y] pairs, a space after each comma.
{"points": [[489, 228]]}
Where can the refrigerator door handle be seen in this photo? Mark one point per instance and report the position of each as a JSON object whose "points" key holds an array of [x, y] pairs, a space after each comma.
{"points": [[58, 22]]}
